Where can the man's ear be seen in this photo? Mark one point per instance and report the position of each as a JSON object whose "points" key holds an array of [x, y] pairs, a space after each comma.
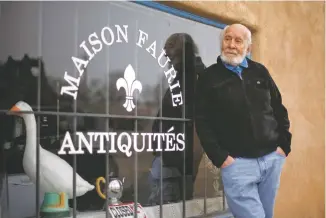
{"points": [[249, 49]]}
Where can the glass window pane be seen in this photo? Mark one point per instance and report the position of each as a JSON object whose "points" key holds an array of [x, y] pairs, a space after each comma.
{"points": [[110, 70]]}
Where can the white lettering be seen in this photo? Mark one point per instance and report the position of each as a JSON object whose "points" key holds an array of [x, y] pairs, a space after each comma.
{"points": [[181, 141], [142, 37], [171, 73], [125, 141], [160, 57], [124, 34], [82, 140], [79, 63], [108, 39], [160, 137], [135, 143], [103, 37], [72, 89], [112, 139], [101, 135], [170, 137], [177, 84], [177, 99], [88, 52], [125, 148], [152, 48], [67, 143], [93, 40], [149, 149]]}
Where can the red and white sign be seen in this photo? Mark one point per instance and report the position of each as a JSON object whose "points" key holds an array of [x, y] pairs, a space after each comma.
{"points": [[126, 210]]}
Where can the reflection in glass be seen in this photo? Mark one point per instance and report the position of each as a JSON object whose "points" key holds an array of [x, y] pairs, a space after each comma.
{"points": [[33, 71], [181, 50]]}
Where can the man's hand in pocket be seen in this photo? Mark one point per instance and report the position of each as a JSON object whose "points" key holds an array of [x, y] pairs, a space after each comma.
{"points": [[229, 160], [280, 151]]}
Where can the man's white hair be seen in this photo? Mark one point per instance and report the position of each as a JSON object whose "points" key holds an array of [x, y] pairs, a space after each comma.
{"points": [[247, 31]]}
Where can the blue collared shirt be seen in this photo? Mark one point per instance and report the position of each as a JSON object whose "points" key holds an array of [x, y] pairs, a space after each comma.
{"points": [[237, 69]]}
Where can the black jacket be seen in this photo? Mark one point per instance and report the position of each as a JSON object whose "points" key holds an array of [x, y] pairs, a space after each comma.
{"points": [[240, 117]]}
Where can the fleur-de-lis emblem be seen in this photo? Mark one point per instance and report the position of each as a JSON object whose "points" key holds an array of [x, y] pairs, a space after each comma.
{"points": [[130, 84]]}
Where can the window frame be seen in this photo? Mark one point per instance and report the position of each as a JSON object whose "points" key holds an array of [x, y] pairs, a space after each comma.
{"points": [[169, 10], [181, 13]]}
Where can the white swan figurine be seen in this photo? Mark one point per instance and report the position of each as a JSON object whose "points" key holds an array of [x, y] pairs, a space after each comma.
{"points": [[56, 175]]}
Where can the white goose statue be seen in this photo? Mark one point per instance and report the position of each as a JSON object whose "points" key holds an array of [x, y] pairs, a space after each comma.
{"points": [[56, 175]]}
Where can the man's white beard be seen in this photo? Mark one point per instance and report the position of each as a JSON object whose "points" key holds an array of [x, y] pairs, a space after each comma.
{"points": [[235, 61]]}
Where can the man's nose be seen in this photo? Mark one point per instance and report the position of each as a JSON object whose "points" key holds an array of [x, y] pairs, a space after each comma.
{"points": [[232, 44]]}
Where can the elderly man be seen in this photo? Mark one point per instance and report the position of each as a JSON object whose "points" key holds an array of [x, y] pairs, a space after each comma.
{"points": [[243, 126]]}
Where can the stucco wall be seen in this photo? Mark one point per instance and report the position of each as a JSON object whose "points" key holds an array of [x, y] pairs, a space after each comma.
{"points": [[289, 41]]}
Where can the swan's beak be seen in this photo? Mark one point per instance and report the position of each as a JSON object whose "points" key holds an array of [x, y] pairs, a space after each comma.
{"points": [[14, 109]]}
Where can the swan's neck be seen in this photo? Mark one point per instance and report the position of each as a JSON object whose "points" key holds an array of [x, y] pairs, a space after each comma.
{"points": [[31, 142]]}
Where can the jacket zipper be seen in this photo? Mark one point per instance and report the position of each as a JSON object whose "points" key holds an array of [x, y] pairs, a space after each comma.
{"points": [[247, 104]]}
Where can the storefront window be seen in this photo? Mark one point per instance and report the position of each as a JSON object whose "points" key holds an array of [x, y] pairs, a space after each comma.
{"points": [[113, 83]]}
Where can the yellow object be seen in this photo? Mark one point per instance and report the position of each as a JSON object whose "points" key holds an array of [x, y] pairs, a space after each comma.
{"points": [[61, 204], [55, 205], [100, 180]]}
